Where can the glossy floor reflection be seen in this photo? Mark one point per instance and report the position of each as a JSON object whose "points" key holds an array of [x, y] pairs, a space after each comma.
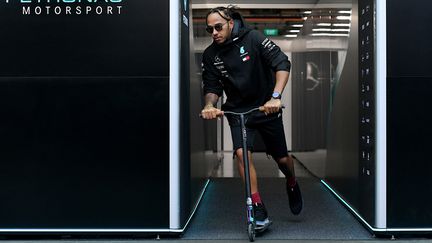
{"points": [[265, 167], [314, 161]]}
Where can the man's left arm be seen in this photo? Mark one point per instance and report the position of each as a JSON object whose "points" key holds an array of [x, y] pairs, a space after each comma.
{"points": [[279, 63], [274, 104]]}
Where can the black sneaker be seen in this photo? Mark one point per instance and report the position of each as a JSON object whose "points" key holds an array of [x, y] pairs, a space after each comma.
{"points": [[261, 217], [295, 198]]}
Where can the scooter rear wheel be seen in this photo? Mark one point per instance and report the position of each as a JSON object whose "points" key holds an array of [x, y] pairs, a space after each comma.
{"points": [[251, 232]]}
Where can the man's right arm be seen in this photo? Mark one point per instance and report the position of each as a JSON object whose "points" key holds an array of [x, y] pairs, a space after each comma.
{"points": [[210, 111], [212, 89], [211, 99]]}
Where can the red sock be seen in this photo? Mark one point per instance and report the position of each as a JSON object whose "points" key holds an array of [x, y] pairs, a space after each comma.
{"points": [[292, 181], [256, 198]]}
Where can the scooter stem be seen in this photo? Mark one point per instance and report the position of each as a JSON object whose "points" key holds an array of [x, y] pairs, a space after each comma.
{"points": [[246, 161]]}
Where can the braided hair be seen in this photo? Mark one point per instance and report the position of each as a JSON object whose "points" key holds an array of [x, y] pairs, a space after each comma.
{"points": [[225, 12]]}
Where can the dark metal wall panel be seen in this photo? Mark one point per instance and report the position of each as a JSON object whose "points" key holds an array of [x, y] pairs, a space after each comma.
{"points": [[203, 149], [408, 121], [367, 113], [409, 135], [409, 52], [185, 180], [311, 75], [348, 167], [83, 153], [342, 164]]}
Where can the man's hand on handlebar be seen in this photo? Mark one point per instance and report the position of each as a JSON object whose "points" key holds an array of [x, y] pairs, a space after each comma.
{"points": [[210, 112], [272, 106]]}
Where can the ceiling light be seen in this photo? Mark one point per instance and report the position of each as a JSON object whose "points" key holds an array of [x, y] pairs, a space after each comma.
{"points": [[307, 12], [329, 34], [324, 24], [342, 25], [345, 11], [294, 31], [330, 30], [340, 30], [297, 25], [321, 29], [343, 17], [290, 36]]}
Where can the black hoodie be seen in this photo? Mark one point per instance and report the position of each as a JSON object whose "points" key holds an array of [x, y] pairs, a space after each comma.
{"points": [[243, 67]]}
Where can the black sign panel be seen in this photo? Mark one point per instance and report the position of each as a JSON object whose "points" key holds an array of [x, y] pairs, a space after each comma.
{"points": [[84, 107], [84, 38]]}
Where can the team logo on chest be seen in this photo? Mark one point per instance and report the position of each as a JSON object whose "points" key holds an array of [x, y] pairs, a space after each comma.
{"points": [[219, 64], [244, 55]]}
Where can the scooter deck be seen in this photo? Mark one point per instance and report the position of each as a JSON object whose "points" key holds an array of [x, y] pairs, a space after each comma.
{"points": [[263, 226]]}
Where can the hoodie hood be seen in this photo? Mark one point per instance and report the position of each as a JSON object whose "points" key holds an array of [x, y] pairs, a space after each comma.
{"points": [[240, 27], [239, 30]]}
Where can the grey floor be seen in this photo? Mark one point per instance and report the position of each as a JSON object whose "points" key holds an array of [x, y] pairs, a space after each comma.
{"points": [[221, 213]]}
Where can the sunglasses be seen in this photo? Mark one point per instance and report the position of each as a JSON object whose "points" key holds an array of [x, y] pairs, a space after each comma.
{"points": [[218, 27]]}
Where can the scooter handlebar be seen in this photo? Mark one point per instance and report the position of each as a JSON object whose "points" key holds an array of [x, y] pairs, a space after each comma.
{"points": [[261, 108]]}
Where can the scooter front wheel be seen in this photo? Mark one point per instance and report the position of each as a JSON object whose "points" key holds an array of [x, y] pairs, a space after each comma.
{"points": [[251, 232]]}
